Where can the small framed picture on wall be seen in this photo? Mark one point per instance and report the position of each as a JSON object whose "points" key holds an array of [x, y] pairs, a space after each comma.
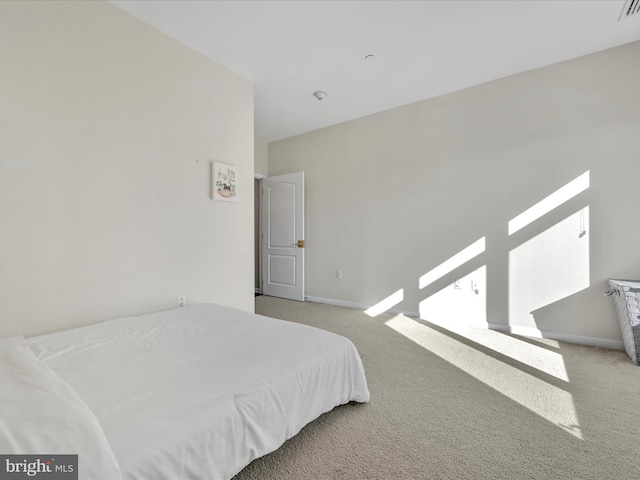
{"points": [[224, 182]]}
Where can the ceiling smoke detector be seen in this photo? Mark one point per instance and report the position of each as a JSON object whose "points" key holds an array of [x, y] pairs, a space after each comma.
{"points": [[320, 95]]}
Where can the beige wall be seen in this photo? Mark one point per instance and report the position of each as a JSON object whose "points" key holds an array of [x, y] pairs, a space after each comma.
{"points": [[261, 157], [392, 196], [107, 133]]}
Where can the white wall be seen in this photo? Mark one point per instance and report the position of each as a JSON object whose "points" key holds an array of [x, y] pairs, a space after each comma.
{"points": [[107, 132], [392, 196]]}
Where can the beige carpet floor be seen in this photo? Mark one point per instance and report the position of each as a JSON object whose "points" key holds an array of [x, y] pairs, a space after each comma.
{"points": [[459, 403]]}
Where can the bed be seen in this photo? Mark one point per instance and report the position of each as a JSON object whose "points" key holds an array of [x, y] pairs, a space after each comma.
{"points": [[196, 392]]}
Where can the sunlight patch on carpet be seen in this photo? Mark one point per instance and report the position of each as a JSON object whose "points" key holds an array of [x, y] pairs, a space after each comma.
{"points": [[551, 403], [542, 359]]}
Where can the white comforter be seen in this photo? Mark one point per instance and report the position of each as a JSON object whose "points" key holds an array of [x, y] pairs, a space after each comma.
{"points": [[201, 391], [41, 415]]}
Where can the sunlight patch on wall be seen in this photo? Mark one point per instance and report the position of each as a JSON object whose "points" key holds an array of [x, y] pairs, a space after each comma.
{"points": [[551, 403], [549, 267], [385, 304], [464, 301], [550, 203], [460, 258]]}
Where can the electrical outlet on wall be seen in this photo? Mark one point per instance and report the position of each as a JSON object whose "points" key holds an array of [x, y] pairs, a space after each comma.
{"points": [[182, 301]]}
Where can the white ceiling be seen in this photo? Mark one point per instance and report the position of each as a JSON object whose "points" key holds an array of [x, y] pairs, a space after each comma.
{"points": [[289, 49]]}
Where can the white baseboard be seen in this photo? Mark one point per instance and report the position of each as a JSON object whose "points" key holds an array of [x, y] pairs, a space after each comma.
{"points": [[358, 306], [515, 329], [559, 336]]}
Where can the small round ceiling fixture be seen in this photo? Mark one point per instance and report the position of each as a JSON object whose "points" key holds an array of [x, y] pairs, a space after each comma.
{"points": [[320, 95]]}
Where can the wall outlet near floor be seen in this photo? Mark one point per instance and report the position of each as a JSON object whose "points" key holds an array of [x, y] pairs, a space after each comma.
{"points": [[339, 274], [182, 301]]}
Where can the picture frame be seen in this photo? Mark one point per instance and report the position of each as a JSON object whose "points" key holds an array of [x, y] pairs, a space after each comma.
{"points": [[224, 182]]}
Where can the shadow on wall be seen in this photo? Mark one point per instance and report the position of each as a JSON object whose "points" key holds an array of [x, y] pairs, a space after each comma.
{"points": [[544, 267], [553, 316]]}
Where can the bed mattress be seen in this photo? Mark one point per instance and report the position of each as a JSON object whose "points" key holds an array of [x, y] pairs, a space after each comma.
{"points": [[199, 392]]}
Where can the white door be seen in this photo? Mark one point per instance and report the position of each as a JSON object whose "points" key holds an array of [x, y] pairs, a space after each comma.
{"points": [[283, 230]]}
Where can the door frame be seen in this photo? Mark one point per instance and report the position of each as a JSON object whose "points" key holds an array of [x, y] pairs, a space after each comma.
{"points": [[258, 231]]}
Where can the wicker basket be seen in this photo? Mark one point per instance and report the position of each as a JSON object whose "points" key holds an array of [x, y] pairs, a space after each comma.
{"points": [[626, 296]]}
